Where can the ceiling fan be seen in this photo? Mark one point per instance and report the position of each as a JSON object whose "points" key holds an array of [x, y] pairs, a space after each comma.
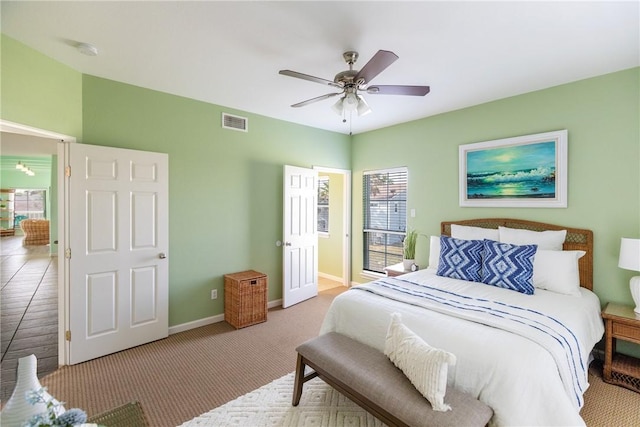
{"points": [[352, 81]]}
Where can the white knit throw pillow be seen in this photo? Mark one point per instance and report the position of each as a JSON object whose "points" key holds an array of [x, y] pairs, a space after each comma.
{"points": [[425, 366]]}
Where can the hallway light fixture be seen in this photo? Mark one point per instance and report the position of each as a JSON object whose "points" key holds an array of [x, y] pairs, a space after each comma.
{"points": [[22, 167]]}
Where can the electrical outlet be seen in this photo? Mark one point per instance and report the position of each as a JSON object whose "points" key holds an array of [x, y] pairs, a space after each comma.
{"points": [[214, 293]]}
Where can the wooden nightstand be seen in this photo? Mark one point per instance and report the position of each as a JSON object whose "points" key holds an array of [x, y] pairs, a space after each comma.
{"points": [[621, 323], [396, 270]]}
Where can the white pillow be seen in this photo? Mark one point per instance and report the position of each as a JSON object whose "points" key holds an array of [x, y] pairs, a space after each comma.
{"points": [[425, 366], [551, 240], [467, 232], [434, 252], [557, 271]]}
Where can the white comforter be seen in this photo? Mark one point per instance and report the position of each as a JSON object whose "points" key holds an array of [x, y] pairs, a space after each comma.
{"points": [[512, 372]]}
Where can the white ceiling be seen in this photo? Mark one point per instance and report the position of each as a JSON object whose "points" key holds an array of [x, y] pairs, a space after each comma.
{"points": [[229, 53]]}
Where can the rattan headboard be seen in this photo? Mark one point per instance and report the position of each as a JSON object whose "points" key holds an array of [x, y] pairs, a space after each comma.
{"points": [[578, 239]]}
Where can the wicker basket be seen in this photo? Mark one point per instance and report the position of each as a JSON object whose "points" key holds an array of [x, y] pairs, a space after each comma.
{"points": [[245, 298]]}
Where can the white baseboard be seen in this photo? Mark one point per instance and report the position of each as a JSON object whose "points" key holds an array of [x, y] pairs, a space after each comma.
{"points": [[209, 320], [195, 324], [330, 277], [274, 303]]}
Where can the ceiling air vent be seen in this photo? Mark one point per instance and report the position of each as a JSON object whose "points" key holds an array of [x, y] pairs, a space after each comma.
{"points": [[235, 122]]}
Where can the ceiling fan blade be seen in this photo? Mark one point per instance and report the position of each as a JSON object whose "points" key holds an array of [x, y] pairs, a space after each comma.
{"points": [[310, 78], [398, 90], [316, 99], [380, 61]]}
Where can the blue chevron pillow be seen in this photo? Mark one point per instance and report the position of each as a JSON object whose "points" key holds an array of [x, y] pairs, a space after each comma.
{"points": [[508, 266], [460, 259]]}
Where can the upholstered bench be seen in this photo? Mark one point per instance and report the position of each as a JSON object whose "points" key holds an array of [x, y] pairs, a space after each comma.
{"points": [[367, 377]]}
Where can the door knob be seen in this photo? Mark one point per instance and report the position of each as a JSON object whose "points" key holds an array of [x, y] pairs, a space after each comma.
{"points": [[162, 255]]}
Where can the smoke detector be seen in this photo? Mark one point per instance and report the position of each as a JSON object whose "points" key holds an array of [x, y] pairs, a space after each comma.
{"points": [[87, 49]]}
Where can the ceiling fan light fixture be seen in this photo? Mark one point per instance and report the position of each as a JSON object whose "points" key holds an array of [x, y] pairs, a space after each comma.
{"points": [[363, 107], [350, 102], [351, 81], [338, 106]]}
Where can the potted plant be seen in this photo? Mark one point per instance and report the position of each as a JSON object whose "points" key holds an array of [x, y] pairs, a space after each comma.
{"points": [[409, 249]]}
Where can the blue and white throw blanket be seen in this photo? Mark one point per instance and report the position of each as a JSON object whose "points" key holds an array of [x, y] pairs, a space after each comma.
{"points": [[545, 330]]}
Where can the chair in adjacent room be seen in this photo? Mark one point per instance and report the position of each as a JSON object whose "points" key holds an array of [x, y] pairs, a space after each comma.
{"points": [[36, 232]]}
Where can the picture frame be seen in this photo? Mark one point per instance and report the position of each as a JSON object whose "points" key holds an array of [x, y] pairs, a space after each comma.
{"points": [[527, 171]]}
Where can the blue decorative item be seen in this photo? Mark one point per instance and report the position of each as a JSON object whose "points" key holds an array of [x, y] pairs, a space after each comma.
{"points": [[460, 259], [54, 414], [509, 266]]}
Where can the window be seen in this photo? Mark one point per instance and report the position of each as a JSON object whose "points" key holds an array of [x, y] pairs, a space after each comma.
{"points": [[30, 203], [385, 217], [323, 204]]}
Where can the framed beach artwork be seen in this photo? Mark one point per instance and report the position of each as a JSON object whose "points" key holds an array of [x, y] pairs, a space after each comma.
{"points": [[525, 171]]}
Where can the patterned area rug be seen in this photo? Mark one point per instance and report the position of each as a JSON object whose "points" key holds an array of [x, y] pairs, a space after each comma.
{"points": [[270, 405]]}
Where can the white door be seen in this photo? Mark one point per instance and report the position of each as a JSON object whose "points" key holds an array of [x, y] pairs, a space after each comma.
{"points": [[118, 244], [300, 271]]}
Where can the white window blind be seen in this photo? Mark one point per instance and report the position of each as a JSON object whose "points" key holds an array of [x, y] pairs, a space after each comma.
{"points": [[385, 217]]}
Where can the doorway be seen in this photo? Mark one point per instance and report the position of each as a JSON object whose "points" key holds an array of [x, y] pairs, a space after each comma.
{"points": [[31, 287], [334, 227]]}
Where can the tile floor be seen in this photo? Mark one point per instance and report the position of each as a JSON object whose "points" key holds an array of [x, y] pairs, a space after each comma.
{"points": [[29, 309]]}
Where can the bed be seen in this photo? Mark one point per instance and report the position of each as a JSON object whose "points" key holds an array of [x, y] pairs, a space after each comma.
{"points": [[525, 355]]}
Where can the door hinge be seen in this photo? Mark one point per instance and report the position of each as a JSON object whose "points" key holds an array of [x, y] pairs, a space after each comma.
{"points": [[67, 335], [67, 171], [67, 253]]}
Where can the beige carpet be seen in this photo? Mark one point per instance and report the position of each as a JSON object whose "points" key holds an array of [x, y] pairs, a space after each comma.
{"points": [[608, 405], [193, 372]]}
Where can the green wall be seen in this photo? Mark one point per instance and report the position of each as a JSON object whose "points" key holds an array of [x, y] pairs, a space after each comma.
{"points": [[225, 186], [38, 91], [330, 247], [602, 117]]}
